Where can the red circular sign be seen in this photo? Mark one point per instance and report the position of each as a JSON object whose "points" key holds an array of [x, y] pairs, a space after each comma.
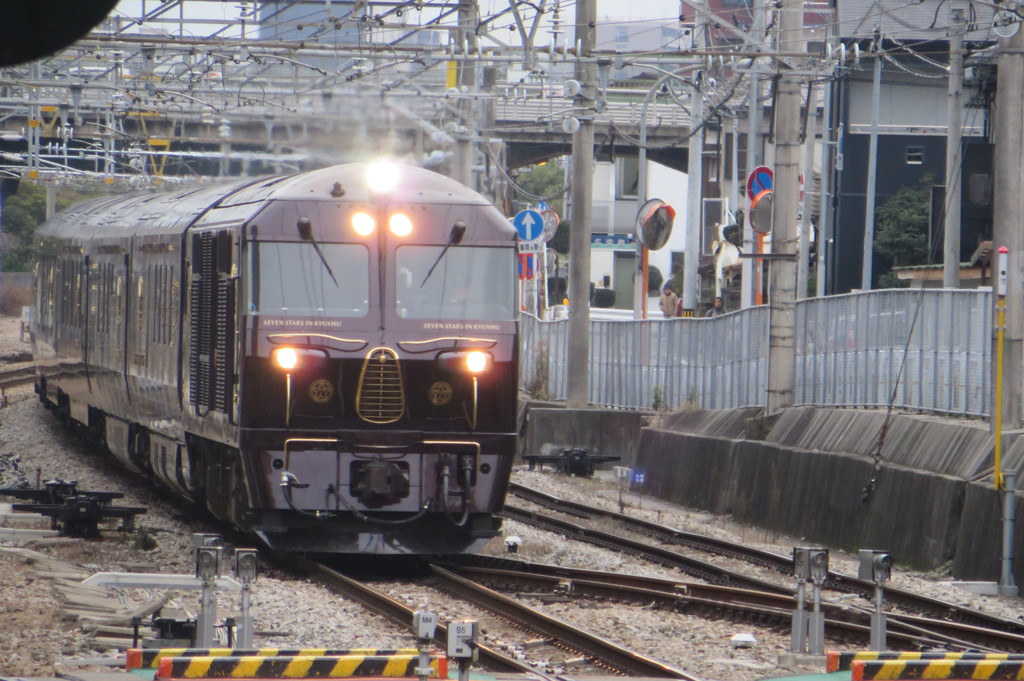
{"points": [[760, 179]]}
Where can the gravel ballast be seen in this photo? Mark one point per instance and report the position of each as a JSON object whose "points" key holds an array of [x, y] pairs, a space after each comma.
{"points": [[38, 638]]}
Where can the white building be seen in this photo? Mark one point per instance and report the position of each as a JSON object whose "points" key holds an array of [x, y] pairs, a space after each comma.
{"points": [[613, 262]]}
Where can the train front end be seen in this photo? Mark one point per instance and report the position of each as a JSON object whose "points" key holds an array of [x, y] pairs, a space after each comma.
{"points": [[378, 381]]}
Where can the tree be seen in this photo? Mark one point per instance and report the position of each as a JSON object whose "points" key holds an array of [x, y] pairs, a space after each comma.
{"points": [[546, 180], [560, 241], [654, 280], [901, 228], [23, 212]]}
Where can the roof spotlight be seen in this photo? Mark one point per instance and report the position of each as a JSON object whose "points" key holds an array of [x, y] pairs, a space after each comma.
{"points": [[382, 176]]}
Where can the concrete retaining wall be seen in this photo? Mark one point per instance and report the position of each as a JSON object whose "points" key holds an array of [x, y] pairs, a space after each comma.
{"points": [[961, 448], [818, 496], [806, 473]]}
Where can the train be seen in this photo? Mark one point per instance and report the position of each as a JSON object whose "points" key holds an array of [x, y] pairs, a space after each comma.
{"points": [[327, 360]]}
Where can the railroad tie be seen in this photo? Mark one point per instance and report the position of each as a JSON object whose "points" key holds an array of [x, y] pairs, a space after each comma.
{"points": [[297, 667], [893, 670], [842, 660], [136, 658]]}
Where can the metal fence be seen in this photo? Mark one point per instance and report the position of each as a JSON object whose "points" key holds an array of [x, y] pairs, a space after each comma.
{"points": [[848, 351], [708, 363]]}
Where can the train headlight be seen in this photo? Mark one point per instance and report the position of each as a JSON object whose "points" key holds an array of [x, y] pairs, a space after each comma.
{"points": [[286, 358], [295, 359], [477, 361], [472, 361], [363, 224], [400, 225], [382, 177]]}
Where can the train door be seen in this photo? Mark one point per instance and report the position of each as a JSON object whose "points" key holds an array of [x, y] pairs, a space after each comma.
{"points": [[105, 327], [212, 322]]}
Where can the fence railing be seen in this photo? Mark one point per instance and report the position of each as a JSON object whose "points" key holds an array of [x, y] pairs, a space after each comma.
{"points": [[930, 350]]}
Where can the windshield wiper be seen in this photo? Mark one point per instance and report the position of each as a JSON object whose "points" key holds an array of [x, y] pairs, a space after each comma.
{"points": [[454, 239], [305, 228]]}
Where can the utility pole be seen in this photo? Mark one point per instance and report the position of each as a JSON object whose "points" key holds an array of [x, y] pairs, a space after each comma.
{"points": [[869, 207], [1008, 214], [752, 268], [578, 384], [469, 19], [825, 217], [803, 270], [694, 176], [954, 132], [782, 292]]}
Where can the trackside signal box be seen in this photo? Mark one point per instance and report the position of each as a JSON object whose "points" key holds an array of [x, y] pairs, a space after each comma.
{"points": [[462, 639]]}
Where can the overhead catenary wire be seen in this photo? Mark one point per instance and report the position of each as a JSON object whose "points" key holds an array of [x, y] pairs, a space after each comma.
{"points": [[876, 458]]}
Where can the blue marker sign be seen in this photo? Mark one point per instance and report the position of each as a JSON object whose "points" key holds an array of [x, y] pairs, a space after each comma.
{"points": [[529, 224]]}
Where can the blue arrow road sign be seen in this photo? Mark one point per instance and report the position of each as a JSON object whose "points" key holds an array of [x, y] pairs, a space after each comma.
{"points": [[529, 224]]}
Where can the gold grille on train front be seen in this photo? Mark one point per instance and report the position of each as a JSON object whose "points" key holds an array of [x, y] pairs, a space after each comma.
{"points": [[380, 397]]}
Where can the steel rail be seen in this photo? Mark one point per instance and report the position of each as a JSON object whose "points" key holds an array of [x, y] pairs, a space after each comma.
{"points": [[701, 569], [924, 605], [402, 615], [612, 656], [16, 376], [841, 620]]}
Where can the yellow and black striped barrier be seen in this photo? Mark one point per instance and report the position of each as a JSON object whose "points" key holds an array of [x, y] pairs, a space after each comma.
{"points": [[991, 669], [297, 667], [836, 661], [147, 658]]}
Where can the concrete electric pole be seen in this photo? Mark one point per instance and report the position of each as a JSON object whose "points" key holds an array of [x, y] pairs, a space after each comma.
{"points": [[1008, 214], [782, 291], [867, 264], [469, 20], [578, 384], [751, 268], [695, 174], [954, 132]]}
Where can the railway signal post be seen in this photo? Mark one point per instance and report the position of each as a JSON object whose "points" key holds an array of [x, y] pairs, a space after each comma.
{"points": [[246, 561], [208, 549], [808, 632], [876, 566], [816, 629], [462, 645], [425, 625]]}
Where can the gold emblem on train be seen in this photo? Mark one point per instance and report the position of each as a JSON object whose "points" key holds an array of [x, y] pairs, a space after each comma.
{"points": [[380, 397], [321, 391], [440, 393]]}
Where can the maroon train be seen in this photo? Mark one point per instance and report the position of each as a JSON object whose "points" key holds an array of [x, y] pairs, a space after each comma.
{"points": [[328, 359]]}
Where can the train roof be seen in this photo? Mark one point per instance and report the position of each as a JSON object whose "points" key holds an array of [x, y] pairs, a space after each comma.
{"points": [[351, 182], [163, 212]]}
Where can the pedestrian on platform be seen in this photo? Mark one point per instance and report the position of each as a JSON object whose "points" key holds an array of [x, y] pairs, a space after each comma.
{"points": [[717, 308], [669, 301]]}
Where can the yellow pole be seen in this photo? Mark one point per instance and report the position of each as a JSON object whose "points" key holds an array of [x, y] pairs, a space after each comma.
{"points": [[1002, 257], [998, 419]]}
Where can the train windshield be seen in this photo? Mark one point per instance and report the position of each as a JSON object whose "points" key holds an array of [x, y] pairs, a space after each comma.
{"points": [[467, 282], [294, 279]]}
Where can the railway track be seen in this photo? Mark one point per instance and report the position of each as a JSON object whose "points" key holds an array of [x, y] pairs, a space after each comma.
{"points": [[16, 375], [956, 625], [842, 621], [598, 651]]}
